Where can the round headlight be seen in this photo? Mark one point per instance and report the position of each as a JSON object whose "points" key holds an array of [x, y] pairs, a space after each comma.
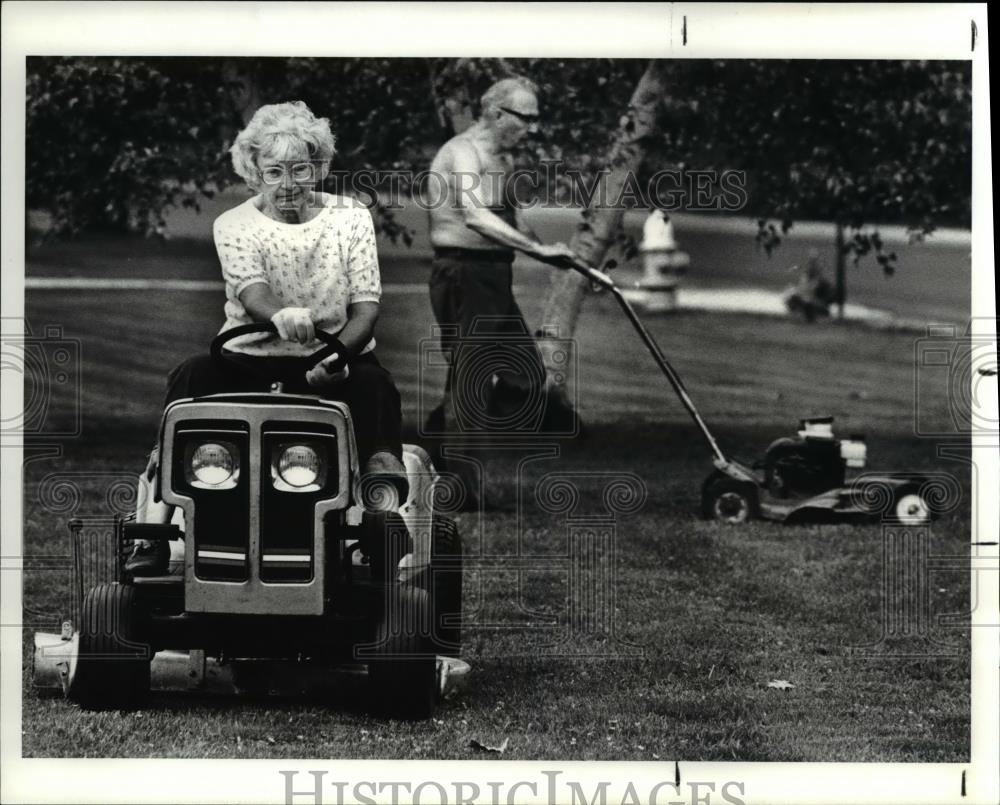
{"points": [[298, 465], [212, 464]]}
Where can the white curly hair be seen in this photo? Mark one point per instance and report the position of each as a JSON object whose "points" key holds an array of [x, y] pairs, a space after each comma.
{"points": [[279, 126]]}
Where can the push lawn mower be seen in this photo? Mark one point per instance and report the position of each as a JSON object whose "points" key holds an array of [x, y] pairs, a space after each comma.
{"points": [[802, 478]]}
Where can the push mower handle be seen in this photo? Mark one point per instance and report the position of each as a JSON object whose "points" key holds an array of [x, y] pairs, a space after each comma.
{"points": [[333, 344], [578, 265], [604, 281]]}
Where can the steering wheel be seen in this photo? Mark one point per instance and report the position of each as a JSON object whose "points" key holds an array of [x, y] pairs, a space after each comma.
{"points": [[333, 345]]}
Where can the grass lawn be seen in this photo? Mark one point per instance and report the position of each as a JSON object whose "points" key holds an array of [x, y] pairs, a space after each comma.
{"points": [[672, 656]]}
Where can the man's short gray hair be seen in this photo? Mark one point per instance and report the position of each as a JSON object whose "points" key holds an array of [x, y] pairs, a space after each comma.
{"points": [[503, 90], [280, 124]]}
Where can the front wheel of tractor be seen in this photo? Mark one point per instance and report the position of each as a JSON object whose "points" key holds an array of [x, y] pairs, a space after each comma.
{"points": [[403, 671], [112, 667]]}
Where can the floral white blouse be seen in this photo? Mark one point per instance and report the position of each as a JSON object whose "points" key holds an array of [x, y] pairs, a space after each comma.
{"points": [[325, 264]]}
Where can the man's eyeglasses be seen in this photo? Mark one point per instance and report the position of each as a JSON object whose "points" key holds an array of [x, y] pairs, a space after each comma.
{"points": [[300, 172], [524, 117]]}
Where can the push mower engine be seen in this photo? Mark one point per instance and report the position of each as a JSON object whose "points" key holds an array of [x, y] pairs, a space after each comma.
{"points": [[812, 463]]}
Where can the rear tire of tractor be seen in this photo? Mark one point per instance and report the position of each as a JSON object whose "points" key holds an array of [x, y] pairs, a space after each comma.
{"points": [[729, 501], [387, 541], [112, 668], [403, 673]]}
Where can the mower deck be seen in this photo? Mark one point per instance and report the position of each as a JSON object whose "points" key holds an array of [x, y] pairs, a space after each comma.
{"points": [[55, 658]]}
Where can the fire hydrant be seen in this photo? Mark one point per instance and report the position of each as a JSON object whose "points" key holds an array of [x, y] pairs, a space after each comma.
{"points": [[663, 264]]}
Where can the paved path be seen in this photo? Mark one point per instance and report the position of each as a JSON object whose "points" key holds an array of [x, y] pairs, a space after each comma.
{"points": [[764, 303]]}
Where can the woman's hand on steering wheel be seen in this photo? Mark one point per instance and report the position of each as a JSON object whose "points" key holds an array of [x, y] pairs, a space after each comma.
{"points": [[295, 324], [328, 371]]}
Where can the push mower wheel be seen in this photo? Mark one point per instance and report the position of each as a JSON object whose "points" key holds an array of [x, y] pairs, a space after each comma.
{"points": [[729, 501], [403, 674], [910, 508], [112, 669]]}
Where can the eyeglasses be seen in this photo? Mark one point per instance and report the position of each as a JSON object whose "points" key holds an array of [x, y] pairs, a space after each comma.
{"points": [[300, 172], [524, 117]]}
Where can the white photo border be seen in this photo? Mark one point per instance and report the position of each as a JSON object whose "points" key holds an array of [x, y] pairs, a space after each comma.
{"points": [[626, 30]]}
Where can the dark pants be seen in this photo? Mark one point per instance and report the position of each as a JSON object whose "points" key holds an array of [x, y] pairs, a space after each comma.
{"points": [[494, 364], [369, 391]]}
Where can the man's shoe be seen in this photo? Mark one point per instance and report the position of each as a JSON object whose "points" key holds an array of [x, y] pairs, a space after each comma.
{"points": [[384, 485], [435, 421], [560, 415], [148, 558]]}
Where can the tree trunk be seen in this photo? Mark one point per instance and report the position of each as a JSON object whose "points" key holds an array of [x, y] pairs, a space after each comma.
{"points": [[596, 233], [841, 272], [241, 76]]}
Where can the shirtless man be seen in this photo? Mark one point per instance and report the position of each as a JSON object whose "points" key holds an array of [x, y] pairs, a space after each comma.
{"points": [[475, 228]]}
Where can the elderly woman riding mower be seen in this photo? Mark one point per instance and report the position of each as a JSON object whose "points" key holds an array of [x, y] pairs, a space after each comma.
{"points": [[301, 259]]}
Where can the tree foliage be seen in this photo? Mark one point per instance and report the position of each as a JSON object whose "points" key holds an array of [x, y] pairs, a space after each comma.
{"points": [[117, 141], [856, 143]]}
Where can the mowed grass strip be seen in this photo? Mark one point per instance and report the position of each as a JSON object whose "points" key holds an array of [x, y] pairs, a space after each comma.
{"points": [[667, 650], [741, 370]]}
